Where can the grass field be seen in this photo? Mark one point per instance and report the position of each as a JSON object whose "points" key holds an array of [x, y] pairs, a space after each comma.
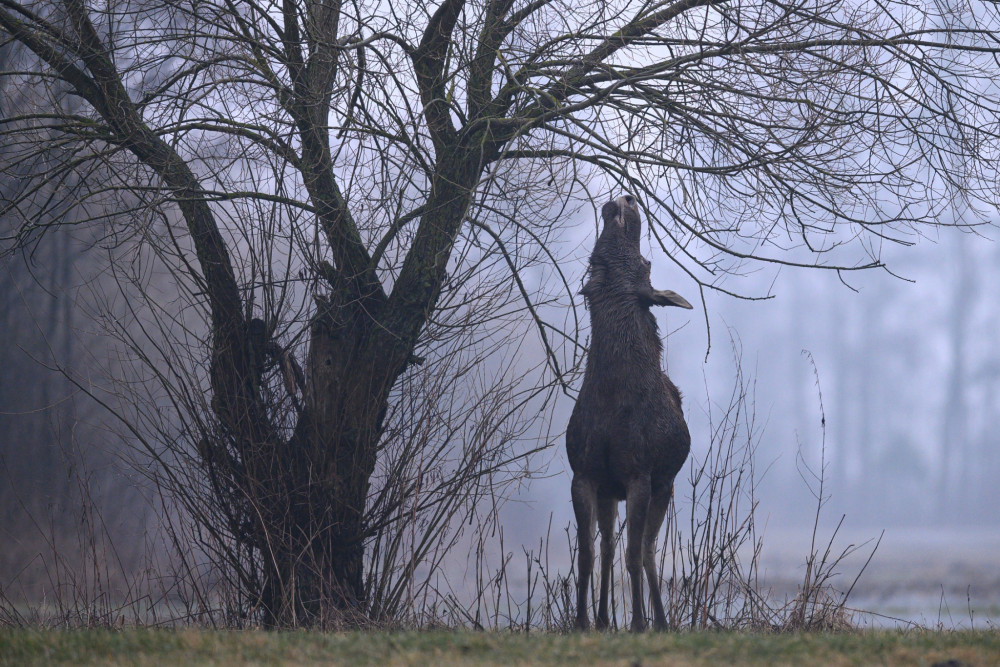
{"points": [[440, 649]]}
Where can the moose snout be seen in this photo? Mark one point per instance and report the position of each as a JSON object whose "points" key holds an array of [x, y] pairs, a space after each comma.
{"points": [[625, 201], [628, 206], [623, 213]]}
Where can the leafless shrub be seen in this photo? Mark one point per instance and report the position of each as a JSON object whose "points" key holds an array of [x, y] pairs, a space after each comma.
{"points": [[447, 495], [710, 564], [818, 605], [80, 577]]}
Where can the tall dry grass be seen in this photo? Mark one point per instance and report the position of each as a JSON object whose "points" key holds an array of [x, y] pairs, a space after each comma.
{"points": [[709, 563]]}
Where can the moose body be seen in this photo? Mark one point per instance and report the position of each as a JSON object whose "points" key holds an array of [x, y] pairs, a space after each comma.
{"points": [[627, 438]]}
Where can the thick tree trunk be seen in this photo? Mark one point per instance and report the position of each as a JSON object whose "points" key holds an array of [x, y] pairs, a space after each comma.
{"points": [[360, 342], [314, 528]]}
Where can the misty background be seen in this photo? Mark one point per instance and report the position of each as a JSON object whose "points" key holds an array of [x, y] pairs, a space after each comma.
{"points": [[883, 385], [896, 375]]}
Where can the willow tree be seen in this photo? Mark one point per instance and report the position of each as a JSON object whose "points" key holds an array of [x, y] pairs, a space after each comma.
{"points": [[354, 152]]}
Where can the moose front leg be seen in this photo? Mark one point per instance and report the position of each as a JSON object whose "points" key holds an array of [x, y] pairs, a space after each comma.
{"points": [[607, 512], [658, 504], [585, 507], [637, 494]]}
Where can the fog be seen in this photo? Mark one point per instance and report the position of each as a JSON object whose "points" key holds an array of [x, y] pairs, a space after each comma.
{"points": [[885, 381], [799, 137]]}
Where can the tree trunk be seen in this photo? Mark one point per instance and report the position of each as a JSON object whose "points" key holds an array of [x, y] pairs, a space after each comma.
{"points": [[312, 489]]}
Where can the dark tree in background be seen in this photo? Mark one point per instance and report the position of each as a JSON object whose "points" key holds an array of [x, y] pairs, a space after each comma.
{"points": [[368, 187]]}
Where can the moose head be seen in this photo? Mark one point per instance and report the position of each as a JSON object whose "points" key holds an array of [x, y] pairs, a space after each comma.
{"points": [[617, 268]]}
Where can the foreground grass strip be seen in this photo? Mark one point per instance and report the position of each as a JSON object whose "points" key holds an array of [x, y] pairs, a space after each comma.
{"points": [[441, 649]]}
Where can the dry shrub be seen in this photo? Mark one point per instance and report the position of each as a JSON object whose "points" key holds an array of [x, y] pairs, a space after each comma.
{"points": [[710, 564]]}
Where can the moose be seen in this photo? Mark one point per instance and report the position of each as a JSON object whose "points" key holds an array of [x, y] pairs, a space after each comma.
{"points": [[627, 438]]}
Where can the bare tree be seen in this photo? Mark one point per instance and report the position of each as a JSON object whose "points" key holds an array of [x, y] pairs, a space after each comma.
{"points": [[328, 179]]}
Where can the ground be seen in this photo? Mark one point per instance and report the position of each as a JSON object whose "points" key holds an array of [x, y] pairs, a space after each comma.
{"points": [[444, 648]]}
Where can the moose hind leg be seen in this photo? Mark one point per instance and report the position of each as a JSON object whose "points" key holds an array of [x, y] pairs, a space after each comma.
{"points": [[607, 513], [658, 504], [636, 508], [585, 507]]}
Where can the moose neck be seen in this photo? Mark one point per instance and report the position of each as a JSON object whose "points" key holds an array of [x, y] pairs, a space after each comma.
{"points": [[625, 340]]}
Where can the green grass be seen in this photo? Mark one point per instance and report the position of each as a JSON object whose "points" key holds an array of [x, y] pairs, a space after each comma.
{"points": [[441, 649]]}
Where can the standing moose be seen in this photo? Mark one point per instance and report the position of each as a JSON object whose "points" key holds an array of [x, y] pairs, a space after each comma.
{"points": [[627, 438]]}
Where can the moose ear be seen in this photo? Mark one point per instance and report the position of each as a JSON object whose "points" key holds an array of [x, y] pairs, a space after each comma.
{"points": [[612, 214], [665, 297]]}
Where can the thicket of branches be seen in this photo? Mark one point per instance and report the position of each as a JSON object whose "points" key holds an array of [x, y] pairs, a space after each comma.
{"points": [[324, 218]]}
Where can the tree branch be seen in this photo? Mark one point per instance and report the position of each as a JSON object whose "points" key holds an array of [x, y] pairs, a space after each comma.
{"points": [[428, 64]]}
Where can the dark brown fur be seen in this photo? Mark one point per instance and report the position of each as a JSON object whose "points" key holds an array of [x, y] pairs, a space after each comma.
{"points": [[627, 438]]}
